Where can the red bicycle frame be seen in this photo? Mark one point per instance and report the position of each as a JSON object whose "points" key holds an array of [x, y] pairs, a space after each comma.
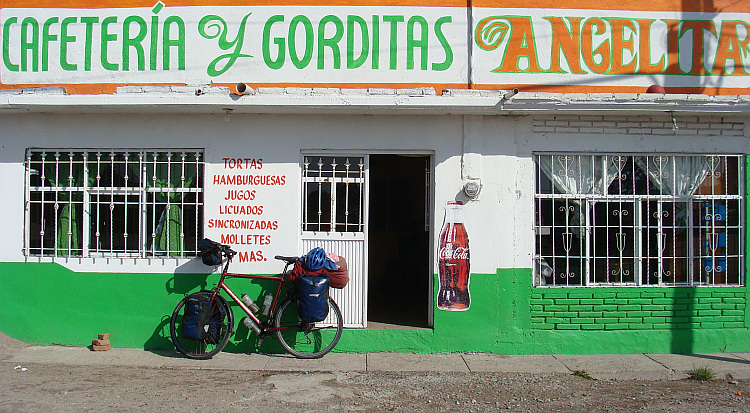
{"points": [[279, 279]]}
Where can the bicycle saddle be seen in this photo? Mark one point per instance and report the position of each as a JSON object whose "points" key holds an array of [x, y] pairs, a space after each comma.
{"points": [[288, 260]]}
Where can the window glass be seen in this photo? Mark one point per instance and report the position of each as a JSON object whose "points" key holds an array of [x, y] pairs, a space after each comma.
{"points": [[333, 193], [129, 203], [611, 219]]}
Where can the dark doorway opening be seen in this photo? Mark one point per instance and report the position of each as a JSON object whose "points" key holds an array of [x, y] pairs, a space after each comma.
{"points": [[399, 241]]}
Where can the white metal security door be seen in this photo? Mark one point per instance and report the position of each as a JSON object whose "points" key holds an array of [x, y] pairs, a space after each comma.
{"points": [[334, 213]]}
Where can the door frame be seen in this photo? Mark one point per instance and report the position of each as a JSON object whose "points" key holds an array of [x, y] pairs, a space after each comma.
{"points": [[429, 214]]}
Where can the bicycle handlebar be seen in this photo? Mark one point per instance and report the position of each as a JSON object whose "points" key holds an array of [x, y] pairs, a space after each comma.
{"points": [[228, 250]]}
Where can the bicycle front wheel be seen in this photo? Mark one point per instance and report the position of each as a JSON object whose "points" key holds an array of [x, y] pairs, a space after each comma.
{"points": [[308, 340], [217, 335]]}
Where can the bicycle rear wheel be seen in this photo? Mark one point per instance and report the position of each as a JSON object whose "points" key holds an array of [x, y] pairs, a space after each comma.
{"points": [[222, 322], [310, 340]]}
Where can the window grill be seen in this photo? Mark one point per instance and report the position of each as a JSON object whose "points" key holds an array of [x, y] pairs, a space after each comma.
{"points": [[113, 202], [612, 219], [333, 193]]}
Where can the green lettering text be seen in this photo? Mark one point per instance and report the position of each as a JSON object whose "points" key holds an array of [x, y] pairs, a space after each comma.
{"points": [[219, 29], [351, 61], [46, 38], [308, 40], [412, 42], [129, 42], [89, 21], [394, 20], [179, 42], [6, 44], [106, 38], [29, 24], [331, 42], [280, 43], [444, 43]]}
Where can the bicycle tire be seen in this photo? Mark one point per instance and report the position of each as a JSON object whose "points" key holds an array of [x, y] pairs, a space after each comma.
{"points": [[323, 335], [215, 342]]}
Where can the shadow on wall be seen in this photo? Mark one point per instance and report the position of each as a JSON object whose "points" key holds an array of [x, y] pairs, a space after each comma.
{"points": [[185, 282], [189, 277], [160, 339], [682, 330]]}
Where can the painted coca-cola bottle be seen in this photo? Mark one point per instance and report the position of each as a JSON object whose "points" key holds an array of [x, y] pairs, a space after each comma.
{"points": [[453, 260]]}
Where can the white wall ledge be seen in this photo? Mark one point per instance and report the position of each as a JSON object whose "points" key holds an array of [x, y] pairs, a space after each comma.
{"points": [[209, 99]]}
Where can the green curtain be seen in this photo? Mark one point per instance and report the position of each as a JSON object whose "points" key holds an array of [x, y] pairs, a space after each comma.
{"points": [[61, 174], [167, 173]]}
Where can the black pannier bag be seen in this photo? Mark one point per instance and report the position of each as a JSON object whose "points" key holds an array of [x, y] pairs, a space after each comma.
{"points": [[210, 252], [196, 317], [312, 298]]}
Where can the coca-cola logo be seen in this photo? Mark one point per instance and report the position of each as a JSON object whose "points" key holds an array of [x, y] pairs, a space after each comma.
{"points": [[458, 253]]}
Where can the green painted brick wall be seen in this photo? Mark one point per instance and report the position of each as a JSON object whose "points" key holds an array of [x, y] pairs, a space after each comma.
{"points": [[49, 304], [638, 308]]}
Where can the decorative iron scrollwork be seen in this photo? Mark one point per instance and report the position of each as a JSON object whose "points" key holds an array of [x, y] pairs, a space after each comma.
{"points": [[619, 162], [567, 275], [713, 163], [565, 162], [567, 241], [661, 163], [621, 237], [620, 212]]}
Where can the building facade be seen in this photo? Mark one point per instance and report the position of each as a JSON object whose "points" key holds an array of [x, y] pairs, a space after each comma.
{"points": [[600, 218]]}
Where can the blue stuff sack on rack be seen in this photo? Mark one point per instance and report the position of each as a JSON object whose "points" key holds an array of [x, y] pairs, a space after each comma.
{"points": [[210, 252], [196, 317], [312, 298]]}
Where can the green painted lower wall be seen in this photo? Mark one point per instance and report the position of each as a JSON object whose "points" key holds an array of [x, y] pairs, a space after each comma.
{"points": [[638, 309], [49, 304], [676, 320]]}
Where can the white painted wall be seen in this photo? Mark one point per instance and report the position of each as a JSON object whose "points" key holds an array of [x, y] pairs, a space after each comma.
{"points": [[500, 220], [498, 153], [277, 140]]}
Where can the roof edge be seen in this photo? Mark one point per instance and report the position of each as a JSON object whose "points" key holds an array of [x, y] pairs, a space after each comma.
{"points": [[210, 99]]}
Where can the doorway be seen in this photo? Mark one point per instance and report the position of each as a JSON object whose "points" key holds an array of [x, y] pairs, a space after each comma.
{"points": [[399, 241]]}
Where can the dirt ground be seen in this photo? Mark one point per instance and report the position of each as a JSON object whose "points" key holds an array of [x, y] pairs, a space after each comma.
{"points": [[62, 388]]}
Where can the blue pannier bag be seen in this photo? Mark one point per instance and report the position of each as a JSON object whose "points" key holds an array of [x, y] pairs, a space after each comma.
{"points": [[196, 317], [312, 298]]}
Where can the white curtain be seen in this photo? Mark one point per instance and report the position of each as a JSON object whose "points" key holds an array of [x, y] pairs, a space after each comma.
{"points": [[677, 175], [581, 175], [592, 175]]}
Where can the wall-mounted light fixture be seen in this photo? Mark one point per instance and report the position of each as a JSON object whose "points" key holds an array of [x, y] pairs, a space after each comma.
{"points": [[471, 189], [244, 89]]}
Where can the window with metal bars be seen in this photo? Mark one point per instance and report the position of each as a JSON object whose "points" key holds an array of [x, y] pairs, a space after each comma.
{"points": [[612, 219], [333, 193], [113, 202]]}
